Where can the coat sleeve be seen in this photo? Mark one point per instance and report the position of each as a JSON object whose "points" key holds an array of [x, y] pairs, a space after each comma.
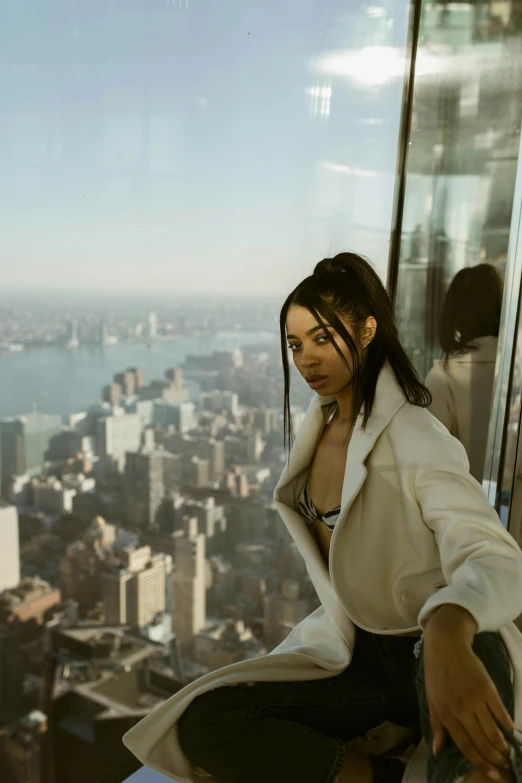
{"points": [[481, 561], [442, 406]]}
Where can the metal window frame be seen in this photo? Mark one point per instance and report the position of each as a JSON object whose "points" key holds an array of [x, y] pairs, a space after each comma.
{"points": [[403, 147], [510, 338]]}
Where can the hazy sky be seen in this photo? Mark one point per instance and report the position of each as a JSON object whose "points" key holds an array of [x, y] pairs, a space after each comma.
{"points": [[195, 144]]}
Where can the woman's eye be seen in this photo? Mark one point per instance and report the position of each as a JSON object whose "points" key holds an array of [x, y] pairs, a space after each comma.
{"points": [[292, 346], [323, 337]]}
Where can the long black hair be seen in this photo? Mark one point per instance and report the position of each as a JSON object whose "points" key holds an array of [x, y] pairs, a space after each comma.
{"points": [[348, 286], [471, 309]]}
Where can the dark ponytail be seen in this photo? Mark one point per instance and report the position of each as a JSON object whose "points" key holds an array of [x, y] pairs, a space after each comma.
{"points": [[348, 286], [471, 309]]}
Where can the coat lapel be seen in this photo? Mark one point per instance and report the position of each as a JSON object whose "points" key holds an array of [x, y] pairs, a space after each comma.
{"points": [[389, 397]]}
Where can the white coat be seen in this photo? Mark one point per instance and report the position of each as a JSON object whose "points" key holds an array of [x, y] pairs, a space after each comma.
{"points": [[415, 531], [462, 392]]}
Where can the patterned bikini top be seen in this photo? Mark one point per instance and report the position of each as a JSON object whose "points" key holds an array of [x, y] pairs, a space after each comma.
{"points": [[306, 506]]}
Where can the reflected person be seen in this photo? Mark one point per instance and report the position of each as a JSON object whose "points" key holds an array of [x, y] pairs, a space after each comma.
{"points": [[418, 581], [461, 384]]}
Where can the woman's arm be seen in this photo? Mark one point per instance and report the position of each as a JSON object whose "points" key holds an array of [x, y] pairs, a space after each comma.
{"points": [[462, 697], [481, 562], [482, 565]]}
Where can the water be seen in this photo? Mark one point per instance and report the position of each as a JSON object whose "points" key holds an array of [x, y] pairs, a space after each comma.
{"points": [[55, 380]]}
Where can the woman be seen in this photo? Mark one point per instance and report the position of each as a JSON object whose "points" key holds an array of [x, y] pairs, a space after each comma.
{"points": [[413, 569], [461, 384]]}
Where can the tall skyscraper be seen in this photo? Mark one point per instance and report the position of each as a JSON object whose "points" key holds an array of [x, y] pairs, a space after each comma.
{"points": [[148, 478], [83, 563], [112, 394], [24, 443], [139, 376], [188, 585], [196, 472], [127, 381], [9, 548], [11, 676], [134, 589], [118, 435], [182, 415], [218, 401]]}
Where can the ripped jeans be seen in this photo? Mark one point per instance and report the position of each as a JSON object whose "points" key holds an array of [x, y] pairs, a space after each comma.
{"points": [[276, 732]]}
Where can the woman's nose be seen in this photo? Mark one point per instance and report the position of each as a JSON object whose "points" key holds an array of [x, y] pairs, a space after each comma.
{"points": [[308, 357]]}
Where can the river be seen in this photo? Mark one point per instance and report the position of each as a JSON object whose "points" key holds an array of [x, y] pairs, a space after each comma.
{"points": [[56, 380]]}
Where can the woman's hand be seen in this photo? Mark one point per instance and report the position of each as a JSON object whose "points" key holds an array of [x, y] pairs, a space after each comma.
{"points": [[462, 697]]}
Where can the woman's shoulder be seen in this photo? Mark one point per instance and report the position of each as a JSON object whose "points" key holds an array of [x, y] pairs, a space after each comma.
{"points": [[416, 429]]}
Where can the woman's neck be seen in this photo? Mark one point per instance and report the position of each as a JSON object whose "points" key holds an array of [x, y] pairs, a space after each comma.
{"points": [[344, 399]]}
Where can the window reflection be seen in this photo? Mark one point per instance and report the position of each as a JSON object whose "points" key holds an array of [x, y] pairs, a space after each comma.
{"points": [[462, 382], [462, 161]]}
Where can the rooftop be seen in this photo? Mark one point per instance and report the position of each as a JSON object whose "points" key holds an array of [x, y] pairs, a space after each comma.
{"points": [[113, 669], [28, 590]]}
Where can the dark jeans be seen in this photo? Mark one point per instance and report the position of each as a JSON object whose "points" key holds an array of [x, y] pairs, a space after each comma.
{"points": [[276, 732]]}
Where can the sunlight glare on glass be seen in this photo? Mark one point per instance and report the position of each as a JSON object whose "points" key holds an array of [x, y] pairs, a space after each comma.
{"points": [[320, 99], [376, 11], [374, 65]]}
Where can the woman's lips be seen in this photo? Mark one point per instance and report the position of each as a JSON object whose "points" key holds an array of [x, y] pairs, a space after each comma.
{"points": [[318, 381]]}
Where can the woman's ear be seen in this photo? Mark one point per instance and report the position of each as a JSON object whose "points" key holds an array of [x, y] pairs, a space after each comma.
{"points": [[368, 331]]}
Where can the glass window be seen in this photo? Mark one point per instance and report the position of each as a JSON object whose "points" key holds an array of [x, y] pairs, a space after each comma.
{"points": [[170, 170], [461, 170]]}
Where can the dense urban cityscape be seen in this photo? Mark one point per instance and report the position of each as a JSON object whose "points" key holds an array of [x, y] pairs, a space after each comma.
{"points": [[140, 547]]}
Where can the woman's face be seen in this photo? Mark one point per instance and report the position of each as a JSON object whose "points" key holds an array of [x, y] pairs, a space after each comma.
{"points": [[314, 355]]}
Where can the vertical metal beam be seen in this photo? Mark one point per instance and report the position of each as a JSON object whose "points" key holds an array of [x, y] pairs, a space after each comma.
{"points": [[404, 141], [509, 345]]}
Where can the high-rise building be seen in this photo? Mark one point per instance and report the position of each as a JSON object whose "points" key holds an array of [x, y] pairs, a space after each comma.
{"points": [[284, 610], [236, 482], [127, 381], [254, 446], [218, 401], [24, 749], [24, 443], [112, 394], [175, 375], [134, 589], [50, 494], [180, 415], [196, 472], [149, 476], [9, 547], [188, 585], [118, 435], [266, 419], [11, 676], [211, 521], [171, 388], [69, 443], [82, 565], [139, 376]]}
